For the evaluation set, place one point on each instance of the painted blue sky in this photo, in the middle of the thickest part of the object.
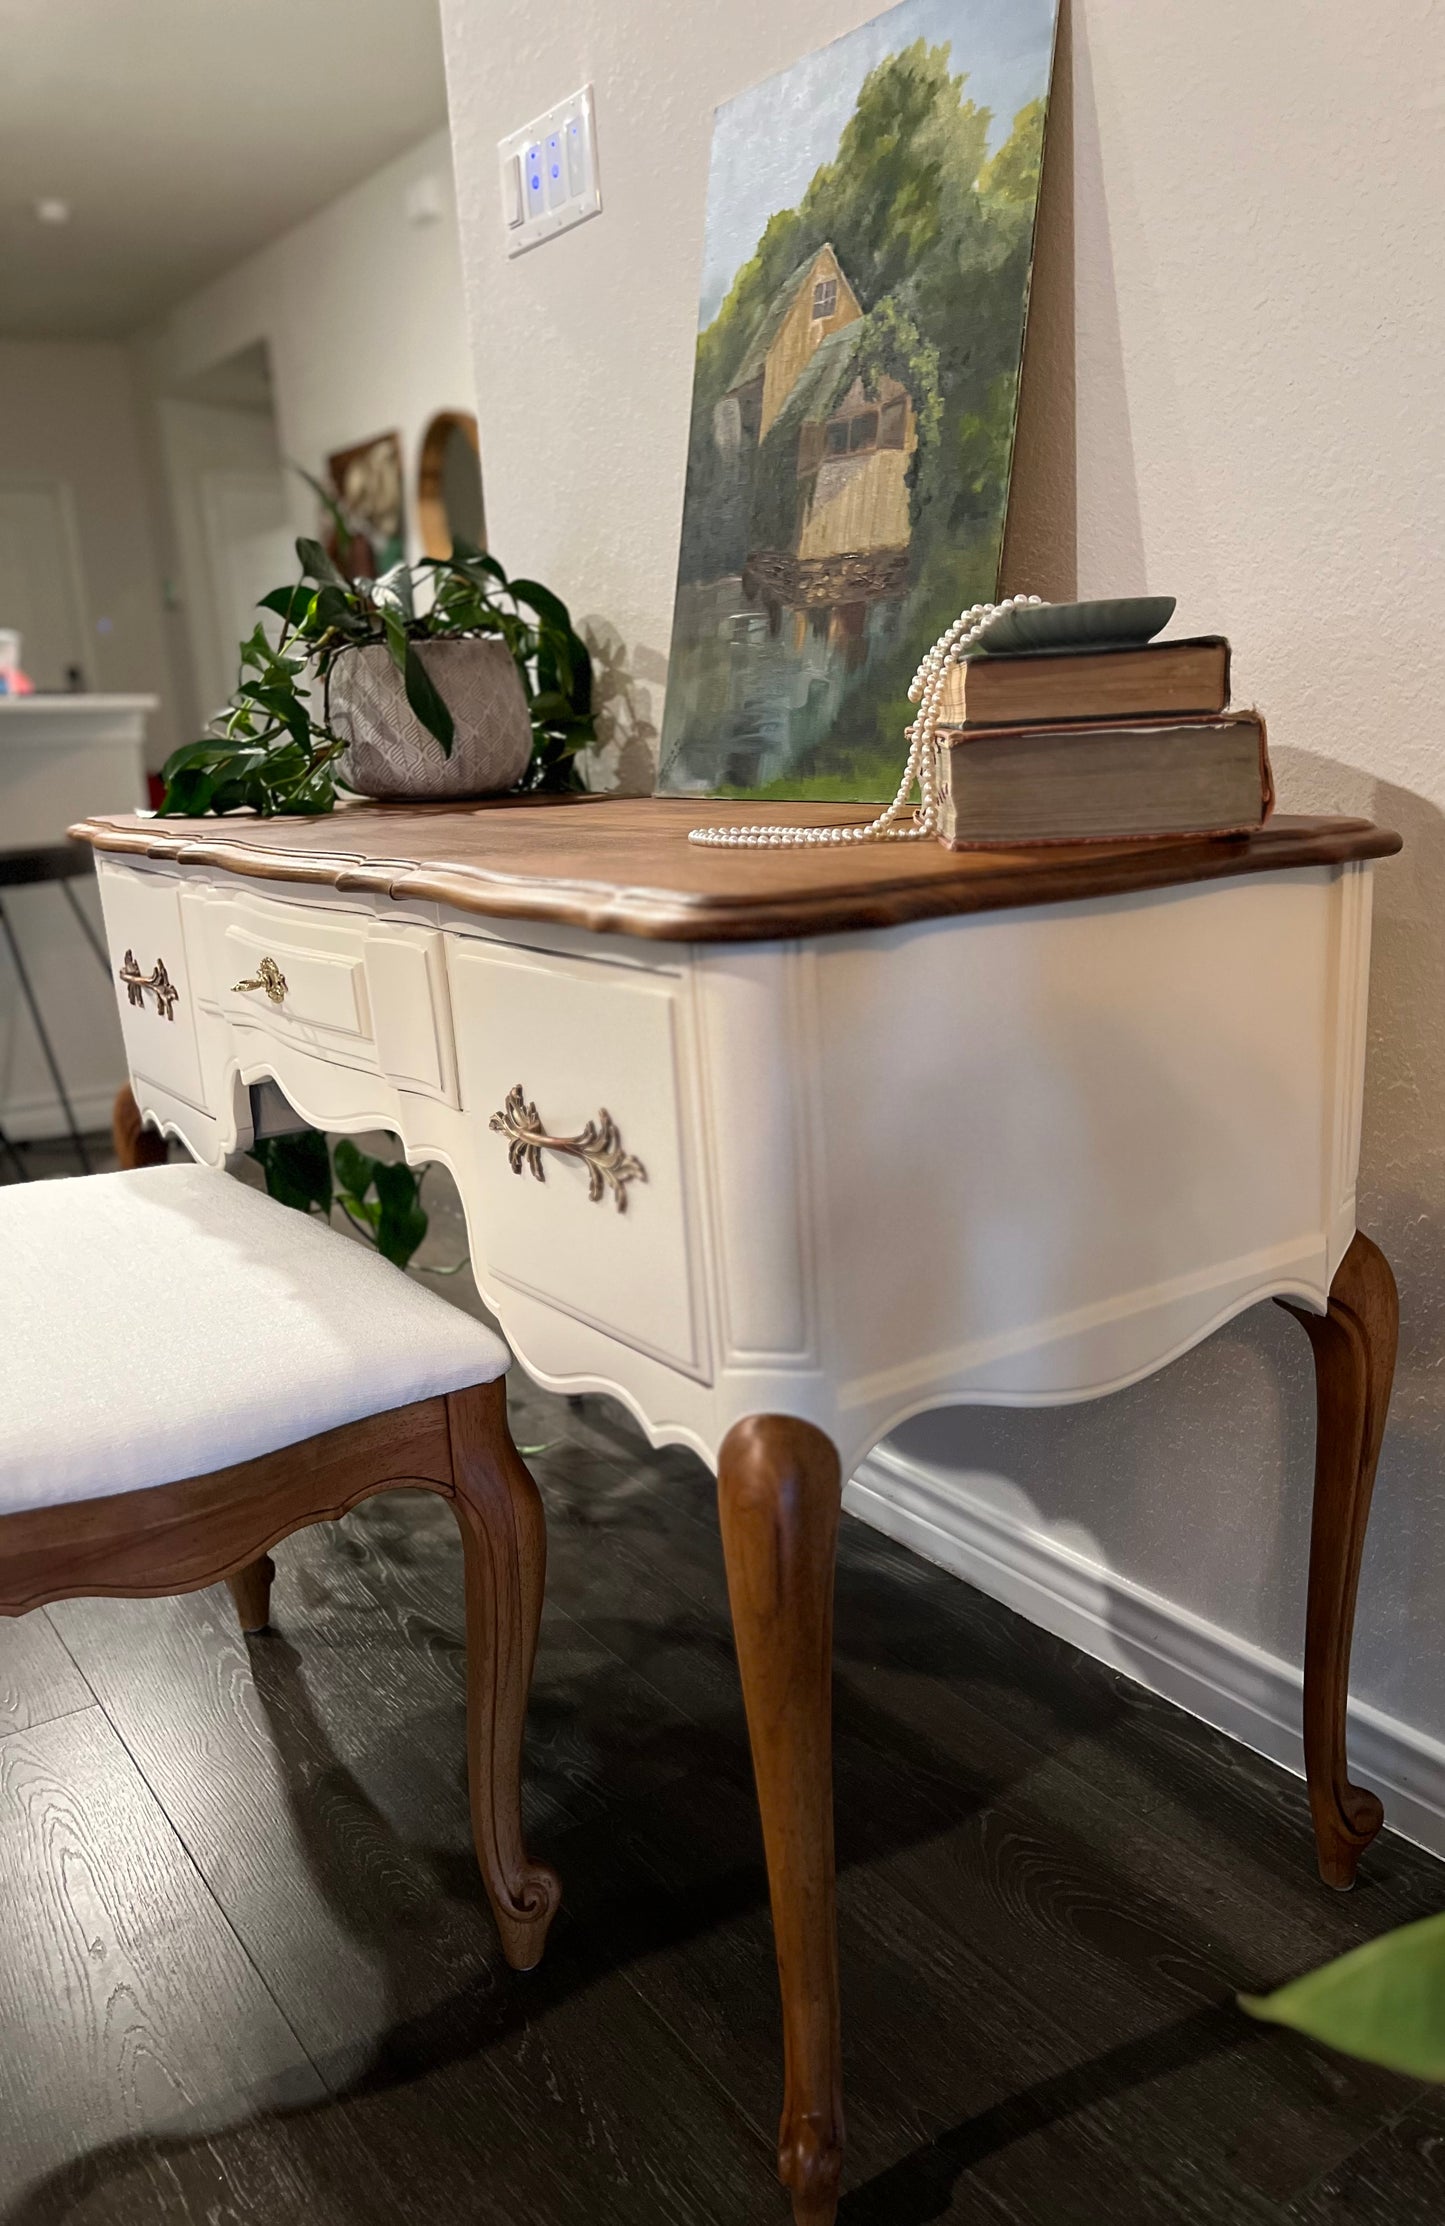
(768, 142)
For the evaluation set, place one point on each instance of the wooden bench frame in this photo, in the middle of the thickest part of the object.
(181, 1537)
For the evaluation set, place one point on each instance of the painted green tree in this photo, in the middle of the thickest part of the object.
(935, 238)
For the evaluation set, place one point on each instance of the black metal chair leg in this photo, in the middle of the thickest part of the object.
(102, 954)
(22, 1172)
(32, 1004)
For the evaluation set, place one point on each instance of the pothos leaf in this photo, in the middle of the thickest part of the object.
(355, 1169)
(395, 1215)
(289, 603)
(393, 590)
(402, 1222)
(315, 563)
(297, 1169)
(396, 640)
(421, 694)
(546, 605)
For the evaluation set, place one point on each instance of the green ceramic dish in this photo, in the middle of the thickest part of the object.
(1122, 622)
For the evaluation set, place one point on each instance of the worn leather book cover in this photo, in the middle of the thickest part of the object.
(1104, 781)
(1162, 680)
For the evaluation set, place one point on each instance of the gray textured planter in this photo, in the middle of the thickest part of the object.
(390, 752)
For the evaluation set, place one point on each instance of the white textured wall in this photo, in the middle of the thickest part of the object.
(362, 313)
(1235, 394)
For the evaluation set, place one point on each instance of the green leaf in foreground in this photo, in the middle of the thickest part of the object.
(1384, 2002)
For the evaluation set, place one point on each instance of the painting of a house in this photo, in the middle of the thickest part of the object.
(854, 397)
(840, 536)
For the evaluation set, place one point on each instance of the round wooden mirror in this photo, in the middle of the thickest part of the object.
(449, 484)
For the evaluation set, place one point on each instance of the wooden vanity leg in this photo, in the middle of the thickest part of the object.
(1354, 1348)
(504, 1539)
(135, 1144)
(251, 1591)
(779, 1495)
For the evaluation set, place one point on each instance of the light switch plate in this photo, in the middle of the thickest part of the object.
(549, 174)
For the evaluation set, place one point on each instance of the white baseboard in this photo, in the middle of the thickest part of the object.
(1253, 1696)
(28, 1119)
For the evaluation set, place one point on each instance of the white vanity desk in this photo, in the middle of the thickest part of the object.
(870, 1131)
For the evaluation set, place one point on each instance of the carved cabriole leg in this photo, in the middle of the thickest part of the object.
(1354, 1348)
(251, 1591)
(504, 1538)
(135, 1144)
(779, 1495)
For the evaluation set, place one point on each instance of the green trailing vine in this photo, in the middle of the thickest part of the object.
(380, 1197)
(273, 749)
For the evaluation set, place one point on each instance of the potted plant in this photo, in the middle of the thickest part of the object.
(482, 685)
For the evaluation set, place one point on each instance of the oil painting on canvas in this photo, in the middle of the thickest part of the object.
(866, 271)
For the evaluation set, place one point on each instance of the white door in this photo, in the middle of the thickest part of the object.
(249, 550)
(40, 593)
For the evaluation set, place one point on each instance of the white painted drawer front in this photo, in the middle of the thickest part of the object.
(579, 1038)
(355, 993)
(143, 926)
(323, 1000)
(406, 977)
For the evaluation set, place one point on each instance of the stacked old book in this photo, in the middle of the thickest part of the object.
(1099, 745)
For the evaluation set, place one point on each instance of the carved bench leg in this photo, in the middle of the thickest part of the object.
(779, 1494)
(1354, 1348)
(251, 1591)
(504, 1540)
(135, 1144)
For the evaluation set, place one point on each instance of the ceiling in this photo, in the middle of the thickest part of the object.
(186, 133)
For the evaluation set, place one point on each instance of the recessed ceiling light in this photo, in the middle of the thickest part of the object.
(52, 212)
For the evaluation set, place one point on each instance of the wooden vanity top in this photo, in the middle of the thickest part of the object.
(624, 866)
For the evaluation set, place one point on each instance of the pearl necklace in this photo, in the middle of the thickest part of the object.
(926, 690)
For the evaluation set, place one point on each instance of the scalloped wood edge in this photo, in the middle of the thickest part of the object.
(624, 866)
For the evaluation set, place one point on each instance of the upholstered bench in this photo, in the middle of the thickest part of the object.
(189, 1372)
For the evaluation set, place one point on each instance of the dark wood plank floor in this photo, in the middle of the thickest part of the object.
(247, 1973)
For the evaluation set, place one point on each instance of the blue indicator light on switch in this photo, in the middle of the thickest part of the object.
(556, 191)
(536, 198)
(549, 178)
(576, 176)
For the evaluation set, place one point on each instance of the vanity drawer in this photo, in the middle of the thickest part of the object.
(294, 973)
(153, 979)
(347, 989)
(574, 1041)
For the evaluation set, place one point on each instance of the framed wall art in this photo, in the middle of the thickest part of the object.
(367, 483)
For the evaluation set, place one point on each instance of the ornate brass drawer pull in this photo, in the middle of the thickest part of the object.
(599, 1147)
(268, 976)
(158, 982)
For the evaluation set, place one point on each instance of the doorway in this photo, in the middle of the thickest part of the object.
(227, 490)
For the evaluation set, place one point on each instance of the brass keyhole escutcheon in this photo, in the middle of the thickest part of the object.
(268, 976)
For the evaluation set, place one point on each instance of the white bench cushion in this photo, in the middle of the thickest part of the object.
(167, 1322)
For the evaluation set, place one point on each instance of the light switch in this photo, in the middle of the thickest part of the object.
(549, 173)
(536, 191)
(554, 159)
